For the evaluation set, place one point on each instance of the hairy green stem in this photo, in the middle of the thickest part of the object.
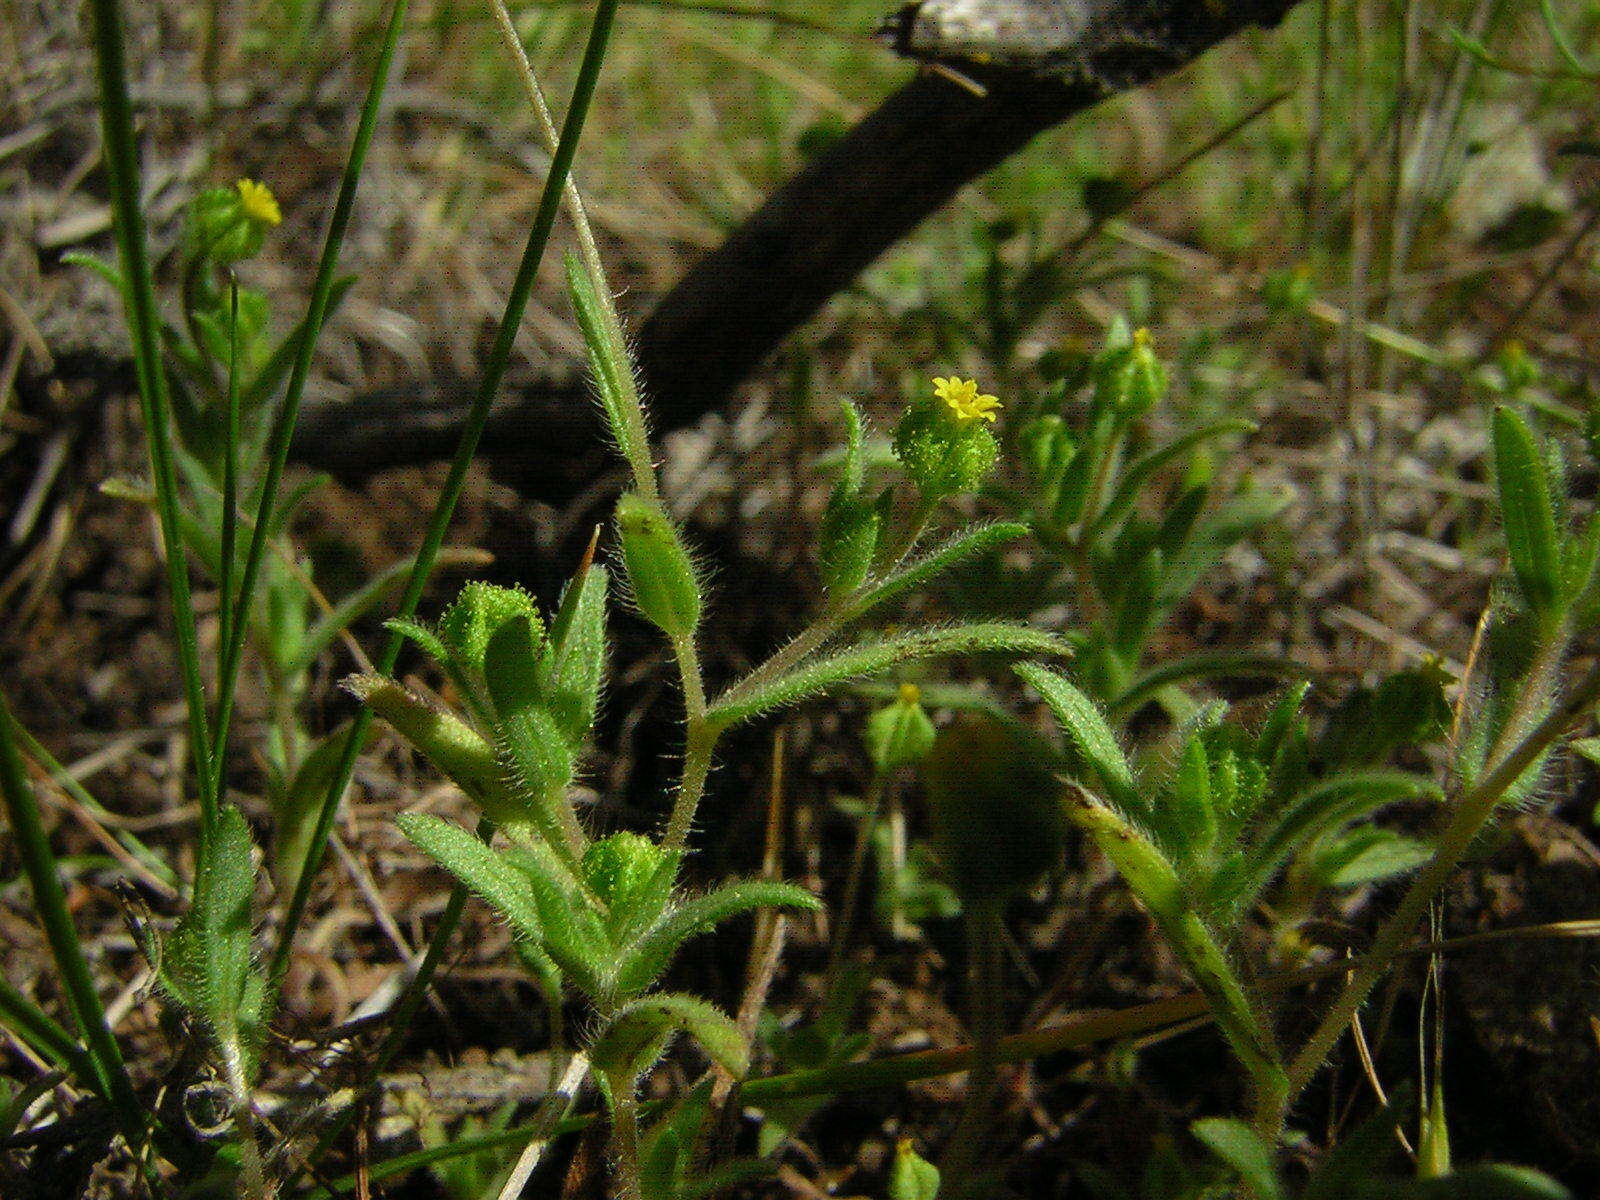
(1469, 813)
(635, 439)
(701, 744)
(253, 1176)
(1155, 883)
(625, 1181)
(985, 942)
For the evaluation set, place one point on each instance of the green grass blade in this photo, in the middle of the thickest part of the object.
(155, 401)
(39, 862)
(228, 611)
(36, 1027)
(444, 509)
(34, 749)
(288, 412)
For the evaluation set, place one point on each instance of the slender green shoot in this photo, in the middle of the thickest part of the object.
(38, 861)
(288, 412)
(40, 1031)
(144, 321)
(444, 509)
(226, 606)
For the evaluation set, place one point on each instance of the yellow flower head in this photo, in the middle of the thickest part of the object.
(962, 397)
(910, 693)
(258, 202)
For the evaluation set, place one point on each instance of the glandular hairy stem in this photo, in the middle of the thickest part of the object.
(625, 1183)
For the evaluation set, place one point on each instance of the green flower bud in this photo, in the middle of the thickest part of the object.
(479, 612)
(229, 224)
(660, 572)
(997, 813)
(622, 867)
(901, 733)
(1129, 378)
(1289, 291)
(941, 451)
(912, 1177)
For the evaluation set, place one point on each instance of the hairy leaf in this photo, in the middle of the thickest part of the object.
(635, 1037)
(1090, 734)
(871, 657)
(486, 873)
(645, 960)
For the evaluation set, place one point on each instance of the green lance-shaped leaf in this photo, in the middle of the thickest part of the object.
(1090, 734)
(614, 377)
(967, 544)
(648, 956)
(661, 575)
(535, 747)
(574, 663)
(1134, 476)
(1324, 806)
(207, 965)
(575, 934)
(997, 817)
(1246, 1151)
(1156, 885)
(1366, 854)
(847, 538)
(1527, 510)
(870, 657)
(636, 1036)
(1193, 818)
(446, 741)
(486, 873)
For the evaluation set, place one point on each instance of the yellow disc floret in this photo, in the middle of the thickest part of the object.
(258, 202)
(963, 398)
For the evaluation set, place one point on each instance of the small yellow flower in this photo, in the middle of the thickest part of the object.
(910, 693)
(962, 397)
(258, 202)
